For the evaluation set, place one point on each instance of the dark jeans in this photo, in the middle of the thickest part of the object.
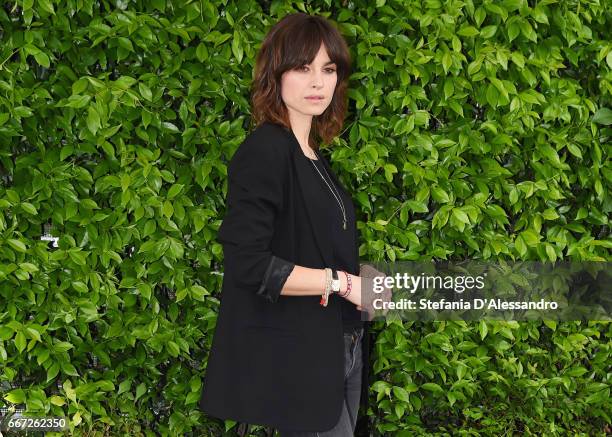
(352, 390)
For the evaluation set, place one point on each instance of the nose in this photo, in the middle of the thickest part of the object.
(317, 80)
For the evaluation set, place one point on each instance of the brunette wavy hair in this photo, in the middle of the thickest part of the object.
(291, 43)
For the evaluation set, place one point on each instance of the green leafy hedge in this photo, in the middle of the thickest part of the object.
(476, 130)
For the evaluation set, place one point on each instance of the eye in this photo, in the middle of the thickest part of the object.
(331, 70)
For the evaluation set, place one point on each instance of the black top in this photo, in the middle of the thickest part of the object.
(343, 240)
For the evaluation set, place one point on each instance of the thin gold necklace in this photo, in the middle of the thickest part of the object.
(336, 194)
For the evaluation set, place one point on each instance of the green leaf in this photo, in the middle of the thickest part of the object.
(488, 31)
(440, 217)
(514, 195)
(140, 390)
(145, 291)
(550, 214)
(66, 152)
(520, 246)
(574, 150)
(527, 30)
(181, 294)
(432, 387)
(381, 387)
(202, 52)
(237, 47)
(42, 59)
(145, 91)
(175, 248)
(69, 369)
(447, 61)
(482, 329)
(125, 44)
(56, 400)
(52, 371)
(124, 386)
(17, 245)
(46, 5)
(171, 127)
(492, 95)
(20, 341)
(198, 292)
(390, 170)
(168, 209)
(93, 120)
(576, 371)
(28, 267)
(105, 385)
(192, 398)
(80, 286)
(460, 216)
(401, 394)
(551, 154)
(439, 195)
(468, 31)
(460, 369)
(62, 346)
(452, 398)
(173, 348)
(29, 208)
(417, 206)
(23, 111)
(603, 116)
(599, 397)
(539, 14)
(79, 258)
(79, 86)
(531, 238)
(16, 396)
(514, 30)
(174, 190)
(33, 333)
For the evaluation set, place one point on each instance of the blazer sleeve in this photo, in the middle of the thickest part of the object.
(256, 183)
(357, 239)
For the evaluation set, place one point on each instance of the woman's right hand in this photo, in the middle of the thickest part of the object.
(367, 274)
(355, 295)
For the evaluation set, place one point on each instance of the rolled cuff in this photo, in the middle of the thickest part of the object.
(275, 277)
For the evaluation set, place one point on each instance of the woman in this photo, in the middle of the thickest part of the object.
(290, 343)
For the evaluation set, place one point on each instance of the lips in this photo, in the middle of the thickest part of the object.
(315, 97)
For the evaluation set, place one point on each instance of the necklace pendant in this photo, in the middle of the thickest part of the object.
(344, 225)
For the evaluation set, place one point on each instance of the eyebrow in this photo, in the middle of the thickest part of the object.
(327, 63)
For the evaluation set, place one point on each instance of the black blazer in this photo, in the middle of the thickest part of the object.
(275, 360)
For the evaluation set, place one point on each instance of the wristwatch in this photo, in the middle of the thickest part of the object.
(335, 282)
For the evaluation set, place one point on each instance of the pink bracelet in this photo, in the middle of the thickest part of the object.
(348, 285)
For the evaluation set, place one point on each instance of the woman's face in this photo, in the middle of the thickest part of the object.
(316, 79)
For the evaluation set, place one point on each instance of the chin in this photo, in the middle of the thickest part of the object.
(319, 112)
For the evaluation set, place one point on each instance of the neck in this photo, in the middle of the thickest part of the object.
(300, 124)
